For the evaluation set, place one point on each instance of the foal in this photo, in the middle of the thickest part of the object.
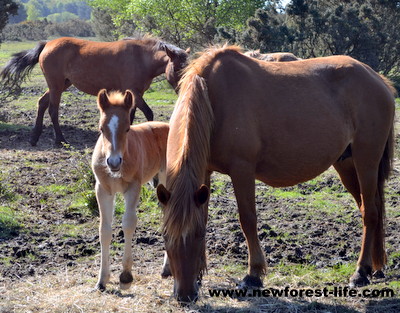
(125, 157)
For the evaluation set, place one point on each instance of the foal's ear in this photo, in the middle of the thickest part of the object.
(201, 195)
(128, 99)
(102, 99)
(163, 194)
(188, 50)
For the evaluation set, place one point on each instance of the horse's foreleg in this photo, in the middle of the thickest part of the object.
(106, 208)
(142, 105)
(166, 270)
(43, 104)
(244, 186)
(129, 222)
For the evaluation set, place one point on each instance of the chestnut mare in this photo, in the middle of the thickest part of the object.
(91, 66)
(125, 157)
(272, 57)
(282, 123)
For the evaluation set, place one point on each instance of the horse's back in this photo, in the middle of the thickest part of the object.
(91, 65)
(292, 120)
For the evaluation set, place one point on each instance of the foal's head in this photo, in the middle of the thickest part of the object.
(178, 60)
(114, 125)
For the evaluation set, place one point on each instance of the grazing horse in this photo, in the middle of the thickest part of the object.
(91, 66)
(272, 57)
(282, 123)
(125, 157)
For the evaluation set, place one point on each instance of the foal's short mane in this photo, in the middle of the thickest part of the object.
(194, 115)
(116, 98)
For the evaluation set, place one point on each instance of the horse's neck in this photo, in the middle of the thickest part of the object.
(159, 64)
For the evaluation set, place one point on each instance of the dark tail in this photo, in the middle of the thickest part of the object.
(20, 66)
(385, 168)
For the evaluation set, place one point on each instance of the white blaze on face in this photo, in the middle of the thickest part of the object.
(113, 126)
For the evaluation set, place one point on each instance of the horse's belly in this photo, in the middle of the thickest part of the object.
(294, 169)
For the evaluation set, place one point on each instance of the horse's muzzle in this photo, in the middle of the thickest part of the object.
(114, 163)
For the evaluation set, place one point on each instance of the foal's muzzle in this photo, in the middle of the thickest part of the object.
(114, 163)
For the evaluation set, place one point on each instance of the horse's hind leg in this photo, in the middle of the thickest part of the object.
(348, 176)
(55, 98)
(129, 222)
(372, 255)
(244, 187)
(43, 104)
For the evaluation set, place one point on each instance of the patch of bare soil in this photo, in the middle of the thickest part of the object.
(289, 233)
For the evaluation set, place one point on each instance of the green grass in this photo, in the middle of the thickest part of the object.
(12, 127)
(9, 222)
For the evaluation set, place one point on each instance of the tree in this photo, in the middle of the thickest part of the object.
(364, 29)
(7, 8)
(103, 25)
(182, 21)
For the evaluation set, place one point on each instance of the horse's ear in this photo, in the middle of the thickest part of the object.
(201, 195)
(128, 99)
(163, 194)
(188, 50)
(170, 54)
(102, 99)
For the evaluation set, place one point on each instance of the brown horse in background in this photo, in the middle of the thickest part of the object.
(272, 57)
(125, 157)
(282, 123)
(90, 66)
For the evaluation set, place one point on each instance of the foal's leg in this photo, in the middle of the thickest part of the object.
(43, 104)
(244, 186)
(129, 222)
(106, 207)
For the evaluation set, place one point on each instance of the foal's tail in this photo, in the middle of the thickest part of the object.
(20, 66)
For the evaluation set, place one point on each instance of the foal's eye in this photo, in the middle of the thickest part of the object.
(128, 129)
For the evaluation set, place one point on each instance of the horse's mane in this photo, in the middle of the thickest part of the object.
(157, 43)
(116, 98)
(194, 115)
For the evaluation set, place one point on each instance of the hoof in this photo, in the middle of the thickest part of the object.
(155, 181)
(60, 143)
(378, 274)
(125, 280)
(33, 141)
(100, 287)
(166, 272)
(358, 279)
(250, 282)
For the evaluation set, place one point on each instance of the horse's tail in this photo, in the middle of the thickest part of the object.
(385, 169)
(20, 66)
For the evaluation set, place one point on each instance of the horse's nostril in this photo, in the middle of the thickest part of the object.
(114, 163)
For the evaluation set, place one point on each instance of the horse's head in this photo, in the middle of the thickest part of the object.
(178, 60)
(185, 217)
(114, 125)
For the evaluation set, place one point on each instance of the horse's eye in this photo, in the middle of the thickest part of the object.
(128, 129)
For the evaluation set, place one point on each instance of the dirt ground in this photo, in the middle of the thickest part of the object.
(55, 239)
